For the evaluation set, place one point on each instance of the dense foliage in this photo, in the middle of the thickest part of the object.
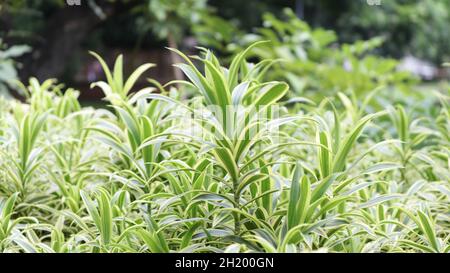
(416, 27)
(312, 61)
(242, 165)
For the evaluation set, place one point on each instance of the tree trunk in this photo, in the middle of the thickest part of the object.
(178, 75)
(66, 30)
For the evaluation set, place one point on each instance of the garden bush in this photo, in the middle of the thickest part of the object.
(229, 160)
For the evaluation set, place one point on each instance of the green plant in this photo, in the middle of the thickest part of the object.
(8, 67)
(241, 165)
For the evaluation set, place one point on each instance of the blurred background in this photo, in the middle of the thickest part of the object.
(51, 38)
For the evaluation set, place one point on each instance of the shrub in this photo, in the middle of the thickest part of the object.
(236, 167)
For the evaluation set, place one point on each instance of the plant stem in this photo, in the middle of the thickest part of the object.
(237, 224)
